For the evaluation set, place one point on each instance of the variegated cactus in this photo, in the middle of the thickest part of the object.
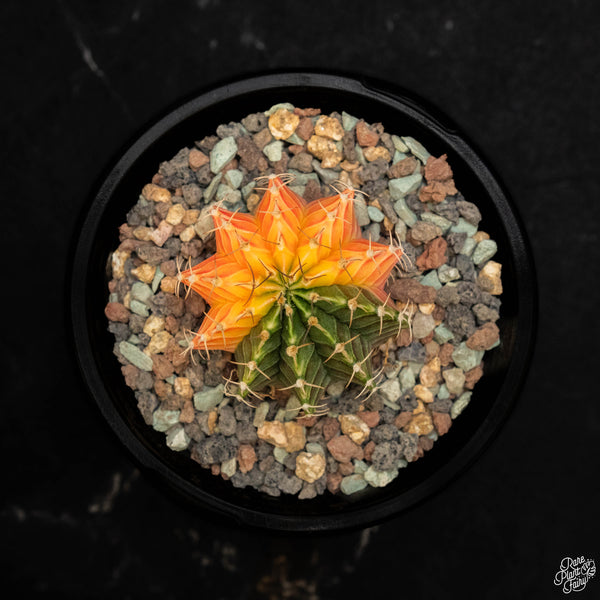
(297, 294)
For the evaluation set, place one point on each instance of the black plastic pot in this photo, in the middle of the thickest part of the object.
(505, 366)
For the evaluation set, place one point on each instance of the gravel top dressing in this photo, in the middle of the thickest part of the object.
(447, 281)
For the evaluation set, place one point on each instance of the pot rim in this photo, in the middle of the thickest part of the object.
(430, 118)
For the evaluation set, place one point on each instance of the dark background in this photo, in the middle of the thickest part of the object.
(80, 80)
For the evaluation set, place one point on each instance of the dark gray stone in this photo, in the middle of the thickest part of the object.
(460, 320)
(384, 433)
(386, 455)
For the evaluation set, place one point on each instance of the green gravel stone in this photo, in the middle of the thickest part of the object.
(248, 189)
(280, 415)
(398, 156)
(416, 148)
(402, 186)
(407, 215)
(208, 397)
(141, 292)
(260, 414)
(326, 175)
(468, 247)
(352, 484)
(228, 195)
(177, 439)
(443, 392)
(441, 334)
(431, 279)
(229, 467)
(274, 150)
(211, 189)
(298, 189)
(401, 464)
(400, 230)
(158, 275)
(361, 157)
(460, 404)
(133, 339)
(447, 273)
(170, 379)
(438, 220)
(360, 466)
(464, 227)
(348, 121)
(280, 454)
(276, 107)
(407, 379)
(295, 139)
(139, 308)
(379, 478)
(135, 356)
(292, 408)
(399, 144)
(233, 177)
(223, 152)
(113, 297)
(375, 214)
(303, 178)
(466, 358)
(484, 251)
(315, 448)
(163, 419)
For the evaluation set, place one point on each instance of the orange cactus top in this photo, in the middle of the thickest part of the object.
(287, 244)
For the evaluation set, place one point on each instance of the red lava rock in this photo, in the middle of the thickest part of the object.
(176, 355)
(402, 419)
(370, 417)
(312, 191)
(403, 168)
(249, 153)
(115, 311)
(161, 366)
(445, 354)
(171, 324)
(125, 232)
(188, 413)
(305, 128)
(484, 337)
(473, 376)
(434, 255)
(409, 289)
(307, 112)
(365, 135)
(215, 469)
(333, 482)
(437, 191)
(197, 159)
(331, 428)
(439, 313)
(169, 268)
(345, 469)
(195, 304)
(246, 457)
(441, 421)
(405, 338)
(438, 169)
(427, 338)
(131, 374)
(425, 443)
(232, 164)
(368, 450)
(308, 421)
(295, 149)
(343, 449)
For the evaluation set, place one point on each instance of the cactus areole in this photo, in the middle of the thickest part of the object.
(297, 294)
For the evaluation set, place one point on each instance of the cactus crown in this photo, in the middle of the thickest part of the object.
(297, 294)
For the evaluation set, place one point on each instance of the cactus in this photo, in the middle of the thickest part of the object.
(297, 294)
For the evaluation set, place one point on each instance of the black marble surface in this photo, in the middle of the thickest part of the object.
(80, 80)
